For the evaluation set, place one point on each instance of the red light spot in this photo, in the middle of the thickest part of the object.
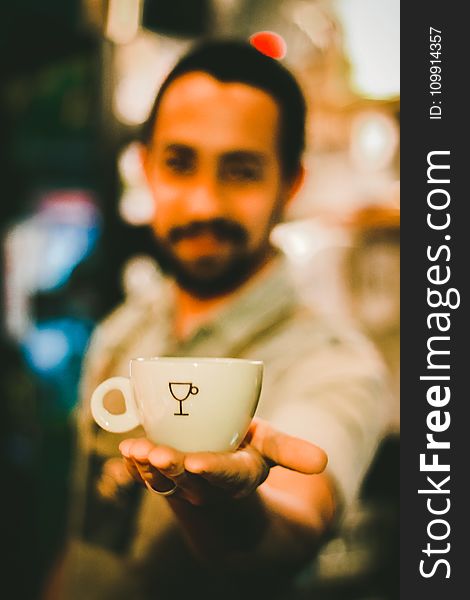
(269, 43)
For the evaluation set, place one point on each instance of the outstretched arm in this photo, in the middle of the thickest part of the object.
(267, 503)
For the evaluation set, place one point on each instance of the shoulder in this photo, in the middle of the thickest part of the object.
(116, 334)
(306, 338)
(130, 316)
(115, 325)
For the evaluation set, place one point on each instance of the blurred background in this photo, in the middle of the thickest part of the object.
(77, 79)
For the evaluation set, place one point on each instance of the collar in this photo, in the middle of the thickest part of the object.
(269, 298)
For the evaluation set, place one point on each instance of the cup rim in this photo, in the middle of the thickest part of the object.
(196, 359)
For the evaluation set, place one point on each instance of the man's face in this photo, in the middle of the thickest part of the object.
(214, 172)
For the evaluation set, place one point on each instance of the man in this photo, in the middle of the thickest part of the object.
(222, 158)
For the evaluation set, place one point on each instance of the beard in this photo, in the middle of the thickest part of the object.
(211, 275)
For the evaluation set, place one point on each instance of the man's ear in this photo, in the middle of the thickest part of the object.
(295, 184)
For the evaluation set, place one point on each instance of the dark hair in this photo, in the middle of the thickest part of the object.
(237, 61)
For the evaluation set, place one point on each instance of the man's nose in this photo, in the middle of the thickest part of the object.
(204, 198)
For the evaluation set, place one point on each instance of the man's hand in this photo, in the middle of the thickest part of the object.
(205, 477)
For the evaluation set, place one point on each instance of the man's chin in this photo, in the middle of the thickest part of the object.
(210, 278)
(208, 287)
(210, 275)
(206, 268)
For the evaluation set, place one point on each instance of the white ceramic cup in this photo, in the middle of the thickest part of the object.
(191, 404)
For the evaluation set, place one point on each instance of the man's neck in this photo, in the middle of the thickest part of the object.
(191, 312)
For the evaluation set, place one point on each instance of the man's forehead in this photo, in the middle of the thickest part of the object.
(196, 104)
(197, 86)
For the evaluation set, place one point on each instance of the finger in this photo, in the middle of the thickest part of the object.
(287, 451)
(171, 463)
(153, 478)
(143, 473)
(133, 470)
(138, 449)
(137, 452)
(125, 445)
(167, 460)
(242, 470)
(125, 449)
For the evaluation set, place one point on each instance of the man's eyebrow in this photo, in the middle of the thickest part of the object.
(240, 156)
(245, 156)
(180, 148)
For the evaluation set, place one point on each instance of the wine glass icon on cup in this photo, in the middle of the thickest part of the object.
(181, 392)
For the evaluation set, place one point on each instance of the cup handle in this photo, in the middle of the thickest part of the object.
(111, 422)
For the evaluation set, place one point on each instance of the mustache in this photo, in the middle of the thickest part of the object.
(222, 229)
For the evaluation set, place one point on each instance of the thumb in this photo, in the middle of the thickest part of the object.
(285, 450)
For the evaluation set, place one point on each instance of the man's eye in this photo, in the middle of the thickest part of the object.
(241, 173)
(179, 164)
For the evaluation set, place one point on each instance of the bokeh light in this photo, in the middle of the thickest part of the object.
(269, 43)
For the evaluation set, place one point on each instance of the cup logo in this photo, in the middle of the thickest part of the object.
(181, 392)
